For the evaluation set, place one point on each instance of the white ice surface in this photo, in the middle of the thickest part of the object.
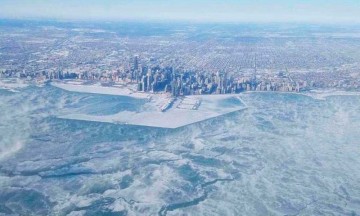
(172, 118)
(285, 155)
(12, 84)
(98, 89)
(323, 94)
(176, 116)
(315, 94)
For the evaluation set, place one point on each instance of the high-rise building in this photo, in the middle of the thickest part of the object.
(136, 63)
(149, 80)
(144, 83)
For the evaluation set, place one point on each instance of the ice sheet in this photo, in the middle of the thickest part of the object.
(172, 118)
(181, 113)
(98, 89)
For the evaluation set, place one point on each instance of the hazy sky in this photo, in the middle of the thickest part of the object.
(324, 11)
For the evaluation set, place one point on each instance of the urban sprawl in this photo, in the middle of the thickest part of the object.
(180, 63)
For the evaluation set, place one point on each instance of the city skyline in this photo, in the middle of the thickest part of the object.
(308, 11)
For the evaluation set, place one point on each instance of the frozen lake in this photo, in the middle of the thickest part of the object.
(285, 154)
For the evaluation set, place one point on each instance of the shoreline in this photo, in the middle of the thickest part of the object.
(123, 90)
(119, 89)
(186, 110)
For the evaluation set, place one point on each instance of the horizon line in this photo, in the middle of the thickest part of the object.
(187, 21)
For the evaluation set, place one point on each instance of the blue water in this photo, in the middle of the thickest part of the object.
(285, 155)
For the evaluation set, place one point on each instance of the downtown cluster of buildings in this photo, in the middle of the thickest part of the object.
(181, 82)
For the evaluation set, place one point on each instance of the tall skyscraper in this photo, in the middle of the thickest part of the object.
(136, 63)
(149, 79)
